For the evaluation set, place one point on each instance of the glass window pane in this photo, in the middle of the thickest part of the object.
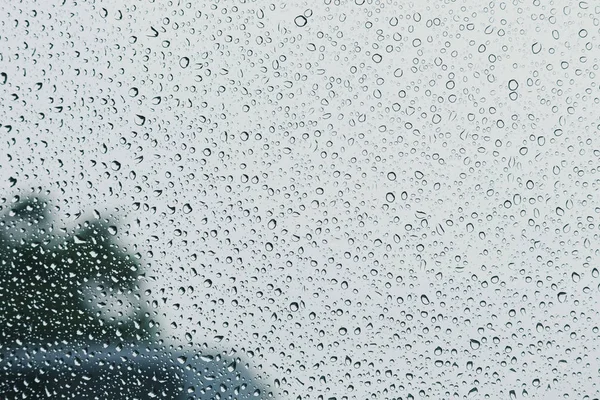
(362, 199)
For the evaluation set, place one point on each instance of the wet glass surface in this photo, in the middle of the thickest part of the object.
(363, 199)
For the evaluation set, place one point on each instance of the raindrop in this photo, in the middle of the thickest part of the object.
(140, 120)
(562, 297)
(529, 184)
(184, 62)
(300, 21)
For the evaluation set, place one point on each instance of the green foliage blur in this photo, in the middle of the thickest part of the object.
(72, 287)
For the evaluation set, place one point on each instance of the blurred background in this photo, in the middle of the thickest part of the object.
(74, 325)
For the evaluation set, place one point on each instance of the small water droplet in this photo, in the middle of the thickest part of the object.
(562, 297)
(140, 120)
(300, 21)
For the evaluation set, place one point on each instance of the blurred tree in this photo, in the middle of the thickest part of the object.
(74, 286)
(72, 323)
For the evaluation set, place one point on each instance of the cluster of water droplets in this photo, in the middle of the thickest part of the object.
(363, 199)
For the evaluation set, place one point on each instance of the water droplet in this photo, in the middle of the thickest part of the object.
(140, 120)
(562, 297)
(184, 62)
(300, 21)
(529, 185)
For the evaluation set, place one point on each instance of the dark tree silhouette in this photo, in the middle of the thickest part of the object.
(61, 335)
(46, 279)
